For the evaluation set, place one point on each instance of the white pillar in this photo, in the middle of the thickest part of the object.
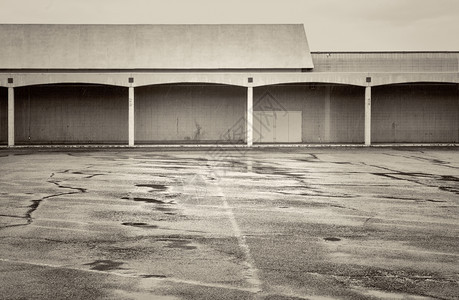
(368, 116)
(10, 117)
(249, 116)
(131, 116)
(327, 115)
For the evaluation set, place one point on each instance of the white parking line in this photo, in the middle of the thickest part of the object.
(251, 271)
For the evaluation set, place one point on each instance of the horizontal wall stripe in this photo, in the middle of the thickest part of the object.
(235, 79)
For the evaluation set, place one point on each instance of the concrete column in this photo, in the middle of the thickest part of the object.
(327, 115)
(249, 116)
(10, 117)
(368, 116)
(131, 119)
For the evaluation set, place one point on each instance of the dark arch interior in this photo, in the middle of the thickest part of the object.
(3, 115)
(190, 113)
(71, 114)
(314, 113)
(415, 113)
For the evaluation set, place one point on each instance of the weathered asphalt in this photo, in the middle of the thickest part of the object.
(220, 224)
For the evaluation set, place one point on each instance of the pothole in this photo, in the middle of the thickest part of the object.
(147, 200)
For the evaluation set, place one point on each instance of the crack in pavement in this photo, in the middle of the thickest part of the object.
(36, 203)
(424, 159)
(408, 176)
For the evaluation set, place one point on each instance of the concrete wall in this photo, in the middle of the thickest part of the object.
(396, 62)
(200, 113)
(347, 114)
(71, 114)
(417, 113)
(190, 113)
(3, 115)
(346, 110)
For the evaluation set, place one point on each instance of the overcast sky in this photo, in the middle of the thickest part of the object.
(331, 25)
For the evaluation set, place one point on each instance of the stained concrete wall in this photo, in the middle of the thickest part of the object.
(346, 113)
(71, 114)
(347, 120)
(416, 113)
(3, 115)
(190, 113)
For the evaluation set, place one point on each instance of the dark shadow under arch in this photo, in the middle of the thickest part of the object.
(3, 115)
(191, 83)
(190, 113)
(76, 113)
(330, 113)
(420, 112)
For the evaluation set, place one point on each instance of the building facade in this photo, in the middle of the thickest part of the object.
(242, 85)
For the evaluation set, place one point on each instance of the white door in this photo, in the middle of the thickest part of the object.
(281, 127)
(277, 126)
(294, 126)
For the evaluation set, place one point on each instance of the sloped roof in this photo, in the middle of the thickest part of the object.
(153, 47)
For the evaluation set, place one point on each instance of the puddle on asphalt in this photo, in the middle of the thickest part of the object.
(153, 276)
(94, 175)
(332, 239)
(159, 187)
(320, 194)
(440, 162)
(35, 204)
(147, 200)
(342, 162)
(105, 265)
(449, 189)
(411, 199)
(140, 225)
(449, 178)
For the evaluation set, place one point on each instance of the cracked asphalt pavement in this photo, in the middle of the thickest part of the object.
(291, 223)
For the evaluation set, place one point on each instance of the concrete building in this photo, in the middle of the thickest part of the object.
(216, 84)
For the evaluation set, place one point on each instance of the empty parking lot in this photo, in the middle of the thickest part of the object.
(303, 223)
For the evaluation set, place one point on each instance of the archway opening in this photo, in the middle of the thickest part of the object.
(71, 114)
(310, 113)
(415, 113)
(190, 113)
